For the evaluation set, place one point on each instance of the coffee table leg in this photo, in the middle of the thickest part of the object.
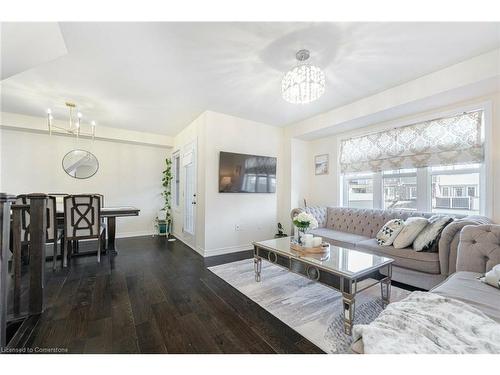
(257, 264)
(385, 286)
(348, 303)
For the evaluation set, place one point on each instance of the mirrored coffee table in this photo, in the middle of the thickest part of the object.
(345, 270)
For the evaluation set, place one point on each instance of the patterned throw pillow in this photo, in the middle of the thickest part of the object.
(389, 232)
(413, 226)
(428, 238)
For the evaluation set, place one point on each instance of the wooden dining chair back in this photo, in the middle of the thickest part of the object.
(82, 220)
(52, 233)
(101, 196)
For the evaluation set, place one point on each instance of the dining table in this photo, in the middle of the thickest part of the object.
(110, 214)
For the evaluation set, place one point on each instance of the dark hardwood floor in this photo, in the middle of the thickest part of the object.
(155, 297)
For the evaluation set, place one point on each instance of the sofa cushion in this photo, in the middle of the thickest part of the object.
(338, 238)
(429, 237)
(388, 233)
(465, 287)
(406, 258)
(412, 227)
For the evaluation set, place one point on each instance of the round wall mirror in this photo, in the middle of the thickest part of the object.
(80, 164)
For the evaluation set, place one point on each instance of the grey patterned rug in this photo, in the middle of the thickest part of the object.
(311, 309)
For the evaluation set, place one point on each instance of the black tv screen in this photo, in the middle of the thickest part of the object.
(241, 173)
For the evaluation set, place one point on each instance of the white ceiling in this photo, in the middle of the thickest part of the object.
(19, 53)
(158, 77)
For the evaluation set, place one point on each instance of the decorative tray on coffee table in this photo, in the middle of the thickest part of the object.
(323, 248)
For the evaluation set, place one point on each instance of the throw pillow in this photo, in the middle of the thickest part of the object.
(492, 277)
(389, 232)
(411, 229)
(429, 236)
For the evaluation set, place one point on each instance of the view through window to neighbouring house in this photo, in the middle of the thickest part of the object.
(400, 189)
(360, 192)
(452, 189)
(456, 189)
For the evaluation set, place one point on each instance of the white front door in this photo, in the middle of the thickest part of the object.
(189, 162)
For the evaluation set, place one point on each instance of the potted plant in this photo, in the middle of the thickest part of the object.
(164, 218)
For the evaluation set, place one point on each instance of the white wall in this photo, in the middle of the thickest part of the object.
(256, 214)
(129, 174)
(299, 173)
(323, 189)
(218, 214)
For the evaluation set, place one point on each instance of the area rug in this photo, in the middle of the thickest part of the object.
(311, 309)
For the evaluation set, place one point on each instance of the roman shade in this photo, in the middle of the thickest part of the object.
(443, 141)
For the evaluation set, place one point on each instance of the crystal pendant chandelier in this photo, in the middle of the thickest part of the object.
(304, 83)
(74, 124)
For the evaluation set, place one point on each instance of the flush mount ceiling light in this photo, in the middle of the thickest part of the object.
(74, 125)
(304, 83)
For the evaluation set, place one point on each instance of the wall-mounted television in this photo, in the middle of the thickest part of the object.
(242, 173)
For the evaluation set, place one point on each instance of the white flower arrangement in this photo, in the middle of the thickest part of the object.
(305, 221)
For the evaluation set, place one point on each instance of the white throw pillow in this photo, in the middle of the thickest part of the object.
(389, 232)
(493, 277)
(429, 236)
(411, 229)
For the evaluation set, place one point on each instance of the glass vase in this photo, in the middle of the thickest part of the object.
(301, 232)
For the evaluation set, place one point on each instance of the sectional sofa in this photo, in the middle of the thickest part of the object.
(357, 228)
(478, 251)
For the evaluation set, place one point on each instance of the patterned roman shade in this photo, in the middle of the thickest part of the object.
(444, 141)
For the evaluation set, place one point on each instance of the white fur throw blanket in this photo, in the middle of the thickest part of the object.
(429, 323)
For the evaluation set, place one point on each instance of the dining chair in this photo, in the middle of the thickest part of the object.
(82, 220)
(103, 220)
(53, 233)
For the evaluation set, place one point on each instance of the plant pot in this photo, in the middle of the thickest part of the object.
(162, 228)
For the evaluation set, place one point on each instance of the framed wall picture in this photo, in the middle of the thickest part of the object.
(321, 164)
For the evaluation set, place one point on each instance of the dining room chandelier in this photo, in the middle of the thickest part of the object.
(304, 83)
(74, 124)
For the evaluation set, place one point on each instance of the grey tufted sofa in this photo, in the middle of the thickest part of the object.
(357, 228)
(478, 252)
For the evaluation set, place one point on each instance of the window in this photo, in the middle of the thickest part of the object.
(400, 189)
(462, 185)
(458, 191)
(359, 191)
(436, 165)
(413, 192)
(176, 178)
(451, 189)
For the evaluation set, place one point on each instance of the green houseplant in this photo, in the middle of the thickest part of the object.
(165, 218)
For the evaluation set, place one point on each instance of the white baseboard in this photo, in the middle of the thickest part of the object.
(183, 240)
(227, 250)
(212, 252)
(136, 234)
